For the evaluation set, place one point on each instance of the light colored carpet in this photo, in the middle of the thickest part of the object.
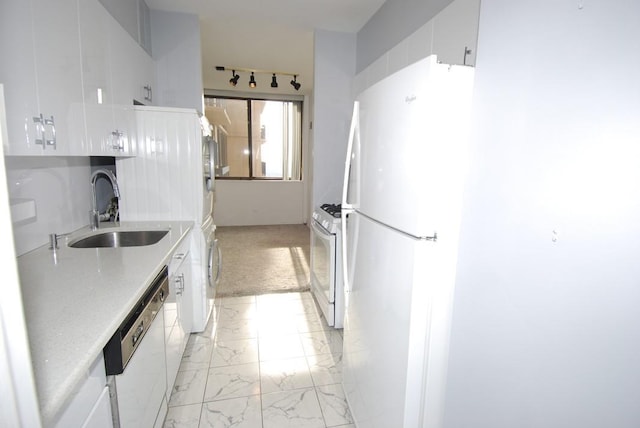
(263, 259)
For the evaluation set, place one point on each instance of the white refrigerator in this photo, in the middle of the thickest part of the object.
(404, 177)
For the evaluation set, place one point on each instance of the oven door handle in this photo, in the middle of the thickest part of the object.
(321, 230)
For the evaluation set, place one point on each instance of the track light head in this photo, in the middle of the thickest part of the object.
(235, 77)
(295, 84)
(234, 80)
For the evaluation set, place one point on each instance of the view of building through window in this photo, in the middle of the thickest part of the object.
(256, 138)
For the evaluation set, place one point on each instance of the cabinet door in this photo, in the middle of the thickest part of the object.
(132, 71)
(90, 405)
(455, 28)
(145, 76)
(109, 124)
(18, 74)
(185, 300)
(124, 135)
(100, 414)
(173, 335)
(41, 71)
(178, 314)
(122, 70)
(59, 74)
(96, 75)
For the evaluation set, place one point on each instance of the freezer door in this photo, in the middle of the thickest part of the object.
(397, 325)
(413, 131)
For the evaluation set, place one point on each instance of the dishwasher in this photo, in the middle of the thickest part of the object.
(135, 361)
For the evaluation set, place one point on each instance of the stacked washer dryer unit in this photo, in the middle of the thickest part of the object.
(171, 178)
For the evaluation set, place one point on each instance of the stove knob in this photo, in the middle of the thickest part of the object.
(325, 224)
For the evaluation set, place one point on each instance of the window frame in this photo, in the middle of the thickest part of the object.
(249, 97)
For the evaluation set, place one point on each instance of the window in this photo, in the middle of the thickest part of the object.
(256, 138)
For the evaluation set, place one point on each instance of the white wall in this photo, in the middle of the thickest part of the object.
(546, 332)
(246, 203)
(334, 69)
(176, 50)
(61, 190)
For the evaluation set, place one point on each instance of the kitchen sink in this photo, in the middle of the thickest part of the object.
(120, 238)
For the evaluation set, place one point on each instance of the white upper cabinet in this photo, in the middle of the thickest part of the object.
(96, 74)
(133, 70)
(41, 72)
(108, 124)
(135, 18)
(454, 29)
(18, 74)
(71, 74)
(59, 74)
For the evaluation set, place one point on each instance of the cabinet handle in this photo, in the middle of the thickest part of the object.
(467, 51)
(51, 141)
(148, 93)
(180, 284)
(117, 137)
(39, 121)
(179, 256)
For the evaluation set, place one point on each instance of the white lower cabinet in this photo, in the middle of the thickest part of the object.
(100, 414)
(178, 311)
(90, 406)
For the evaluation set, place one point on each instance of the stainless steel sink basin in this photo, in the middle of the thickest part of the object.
(120, 238)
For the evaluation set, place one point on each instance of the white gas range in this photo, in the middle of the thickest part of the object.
(326, 263)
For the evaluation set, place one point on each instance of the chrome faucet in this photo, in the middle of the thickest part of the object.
(94, 215)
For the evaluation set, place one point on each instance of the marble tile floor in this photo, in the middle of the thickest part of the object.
(270, 361)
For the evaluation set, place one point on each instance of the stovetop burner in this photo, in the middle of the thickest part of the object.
(332, 209)
(328, 216)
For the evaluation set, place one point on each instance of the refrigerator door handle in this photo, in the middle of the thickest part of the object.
(346, 207)
(347, 162)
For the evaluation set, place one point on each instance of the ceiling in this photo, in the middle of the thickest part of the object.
(272, 35)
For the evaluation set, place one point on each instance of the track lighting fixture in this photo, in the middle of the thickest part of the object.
(252, 79)
(234, 80)
(295, 84)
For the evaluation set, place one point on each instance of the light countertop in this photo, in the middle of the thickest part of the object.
(76, 299)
